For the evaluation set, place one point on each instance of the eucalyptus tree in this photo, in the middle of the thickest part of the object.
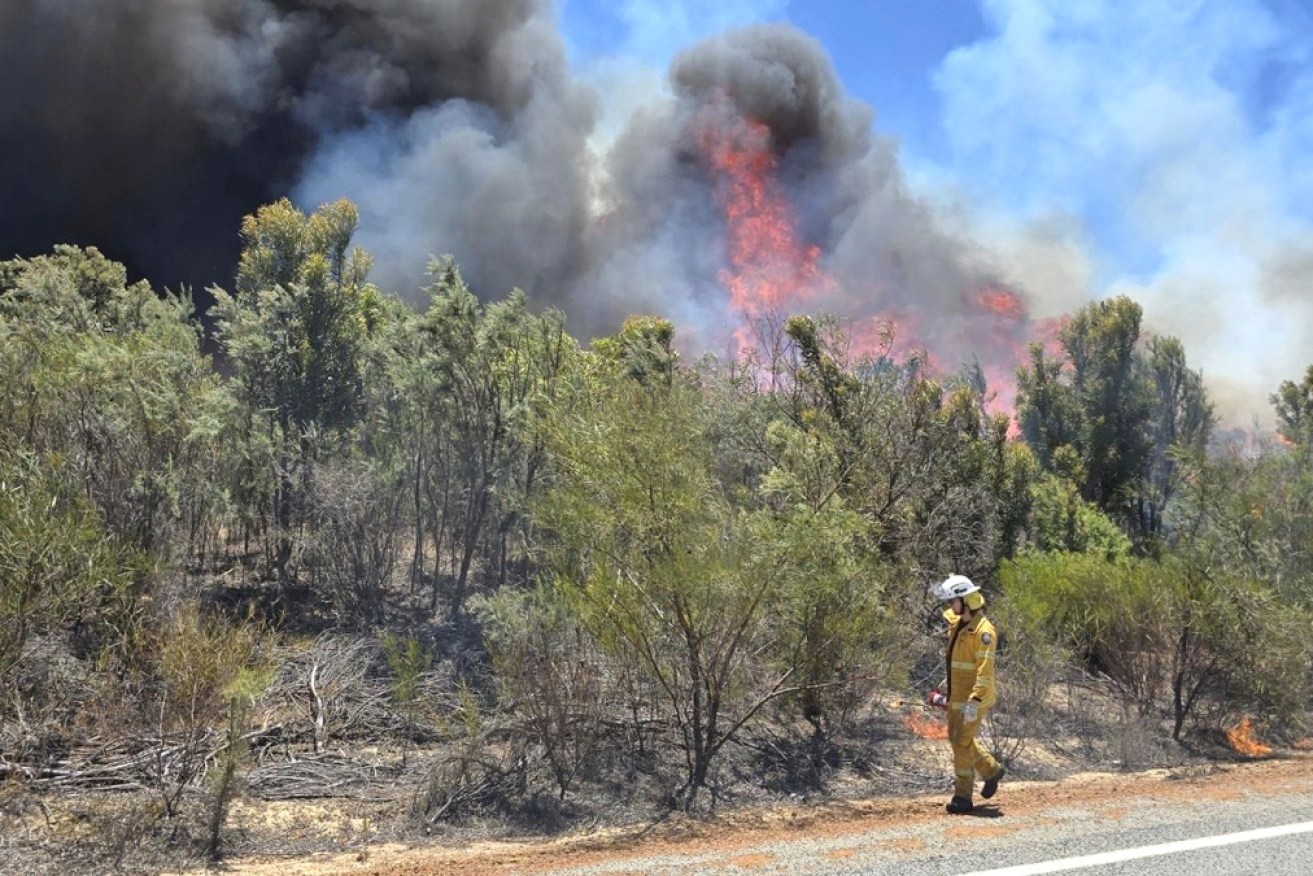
(1180, 426)
(1113, 416)
(294, 332)
(1290, 481)
(60, 568)
(1294, 409)
(1114, 395)
(1049, 415)
(469, 382)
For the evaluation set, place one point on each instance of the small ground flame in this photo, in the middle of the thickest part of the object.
(926, 728)
(1243, 741)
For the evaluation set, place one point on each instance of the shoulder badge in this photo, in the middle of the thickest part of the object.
(986, 638)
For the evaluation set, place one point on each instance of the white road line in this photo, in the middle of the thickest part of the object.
(1206, 842)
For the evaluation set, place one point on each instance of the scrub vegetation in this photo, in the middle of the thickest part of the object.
(452, 559)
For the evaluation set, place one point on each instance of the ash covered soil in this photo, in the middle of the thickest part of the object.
(878, 786)
(766, 838)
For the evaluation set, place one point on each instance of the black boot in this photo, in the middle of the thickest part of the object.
(991, 785)
(959, 805)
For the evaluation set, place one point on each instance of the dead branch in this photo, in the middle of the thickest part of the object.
(329, 775)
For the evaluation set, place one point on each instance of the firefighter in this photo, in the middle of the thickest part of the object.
(968, 688)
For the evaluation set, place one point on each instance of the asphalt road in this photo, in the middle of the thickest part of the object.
(1046, 838)
(1140, 837)
(1033, 845)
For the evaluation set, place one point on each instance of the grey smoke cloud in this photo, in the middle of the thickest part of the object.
(883, 248)
(521, 200)
(150, 128)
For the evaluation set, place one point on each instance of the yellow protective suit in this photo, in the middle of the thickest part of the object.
(971, 647)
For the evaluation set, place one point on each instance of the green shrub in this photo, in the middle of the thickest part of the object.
(1062, 521)
(59, 569)
(1104, 611)
(1172, 636)
(552, 676)
(206, 673)
(1030, 660)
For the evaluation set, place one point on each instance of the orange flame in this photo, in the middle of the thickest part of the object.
(926, 728)
(1003, 331)
(1004, 303)
(1243, 741)
(770, 269)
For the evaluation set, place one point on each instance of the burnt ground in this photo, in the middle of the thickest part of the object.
(372, 809)
(735, 841)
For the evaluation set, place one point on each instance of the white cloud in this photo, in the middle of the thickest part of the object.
(1164, 126)
(657, 29)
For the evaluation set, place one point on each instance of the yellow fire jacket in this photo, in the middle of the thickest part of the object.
(970, 661)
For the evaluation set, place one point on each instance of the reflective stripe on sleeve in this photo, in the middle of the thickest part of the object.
(963, 664)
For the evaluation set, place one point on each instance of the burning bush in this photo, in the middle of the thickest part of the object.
(1243, 739)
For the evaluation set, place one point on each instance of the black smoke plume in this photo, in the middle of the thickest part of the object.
(149, 128)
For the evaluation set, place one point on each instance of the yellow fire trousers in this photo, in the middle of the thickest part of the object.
(969, 757)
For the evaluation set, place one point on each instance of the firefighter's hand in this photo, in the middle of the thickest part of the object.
(970, 711)
(937, 698)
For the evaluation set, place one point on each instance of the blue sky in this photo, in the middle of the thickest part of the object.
(886, 53)
(1158, 149)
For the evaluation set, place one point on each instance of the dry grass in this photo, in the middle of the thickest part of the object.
(379, 780)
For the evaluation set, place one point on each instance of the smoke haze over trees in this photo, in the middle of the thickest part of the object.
(458, 127)
(450, 548)
(546, 460)
(461, 128)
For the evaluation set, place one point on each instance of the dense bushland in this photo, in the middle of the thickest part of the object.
(456, 528)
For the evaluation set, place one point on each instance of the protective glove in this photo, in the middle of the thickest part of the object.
(970, 711)
(937, 698)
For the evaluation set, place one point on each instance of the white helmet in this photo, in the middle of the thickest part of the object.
(955, 586)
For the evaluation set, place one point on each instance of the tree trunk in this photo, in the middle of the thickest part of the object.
(417, 558)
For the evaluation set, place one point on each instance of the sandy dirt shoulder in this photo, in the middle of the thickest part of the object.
(741, 831)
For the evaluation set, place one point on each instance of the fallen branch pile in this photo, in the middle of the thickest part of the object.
(327, 775)
(340, 689)
(125, 764)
